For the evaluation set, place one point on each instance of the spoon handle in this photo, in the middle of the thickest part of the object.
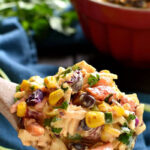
(7, 91)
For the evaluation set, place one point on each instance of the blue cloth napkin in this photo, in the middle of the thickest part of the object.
(18, 58)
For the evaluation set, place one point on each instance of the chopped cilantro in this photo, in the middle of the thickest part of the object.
(47, 122)
(74, 137)
(108, 97)
(126, 138)
(54, 119)
(18, 88)
(93, 79)
(16, 99)
(64, 105)
(65, 89)
(68, 70)
(125, 124)
(32, 87)
(131, 117)
(108, 117)
(56, 130)
(75, 67)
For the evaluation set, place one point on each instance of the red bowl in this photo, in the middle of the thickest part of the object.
(123, 32)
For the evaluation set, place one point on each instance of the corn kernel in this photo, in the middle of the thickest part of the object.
(118, 110)
(94, 119)
(55, 96)
(105, 137)
(110, 130)
(19, 94)
(50, 82)
(105, 71)
(21, 109)
(25, 85)
(104, 107)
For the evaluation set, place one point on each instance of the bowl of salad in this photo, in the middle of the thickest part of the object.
(118, 27)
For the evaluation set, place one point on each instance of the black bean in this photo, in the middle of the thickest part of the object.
(77, 146)
(87, 101)
(83, 125)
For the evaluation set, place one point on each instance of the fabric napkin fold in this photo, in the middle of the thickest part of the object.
(18, 59)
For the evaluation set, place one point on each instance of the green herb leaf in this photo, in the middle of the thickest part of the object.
(63, 106)
(108, 117)
(131, 117)
(68, 70)
(54, 119)
(126, 138)
(93, 79)
(56, 130)
(108, 97)
(75, 67)
(47, 122)
(18, 88)
(65, 89)
(32, 87)
(16, 99)
(74, 137)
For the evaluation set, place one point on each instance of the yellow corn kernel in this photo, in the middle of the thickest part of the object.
(127, 106)
(104, 107)
(50, 82)
(111, 130)
(25, 85)
(19, 94)
(34, 86)
(105, 137)
(21, 109)
(105, 71)
(55, 96)
(94, 119)
(118, 110)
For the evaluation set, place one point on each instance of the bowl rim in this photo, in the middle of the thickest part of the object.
(109, 4)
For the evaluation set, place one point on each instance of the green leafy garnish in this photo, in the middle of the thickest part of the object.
(74, 137)
(16, 99)
(32, 87)
(108, 117)
(40, 15)
(126, 138)
(75, 67)
(131, 117)
(65, 89)
(18, 88)
(93, 79)
(47, 122)
(64, 73)
(64, 105)
(54, 119)
(108, 97)
(56, 130)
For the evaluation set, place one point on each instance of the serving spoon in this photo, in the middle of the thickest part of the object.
(7, 91)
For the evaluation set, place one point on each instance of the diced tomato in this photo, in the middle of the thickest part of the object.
(101, 92)
(104, 147)
(132, 104)
(33, 127)
(105, 81)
